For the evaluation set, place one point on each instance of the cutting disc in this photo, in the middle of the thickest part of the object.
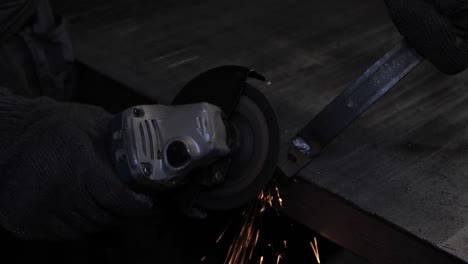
(255, 132)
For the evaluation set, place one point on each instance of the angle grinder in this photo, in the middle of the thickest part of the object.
(219, 137)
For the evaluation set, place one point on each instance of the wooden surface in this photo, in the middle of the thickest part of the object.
(404, 160)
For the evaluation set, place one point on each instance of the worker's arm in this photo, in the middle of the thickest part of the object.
(14, 14)
(56, 176)
(438, 29)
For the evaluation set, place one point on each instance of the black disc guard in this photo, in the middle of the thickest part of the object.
(254, 124)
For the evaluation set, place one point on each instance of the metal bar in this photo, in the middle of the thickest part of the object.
(349, 105)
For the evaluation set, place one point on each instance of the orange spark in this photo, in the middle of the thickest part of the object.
(278, 258)
(256, 237)
(285, 245)
(280, 200)
(243, 245)
(315, 249)
(222, 234)
(269, 199)
(254, 244)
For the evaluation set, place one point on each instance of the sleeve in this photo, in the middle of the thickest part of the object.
(438, 29)
(14, 14)
(56, 177)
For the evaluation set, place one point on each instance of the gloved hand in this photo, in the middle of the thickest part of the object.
(438, 29)
(56, 177)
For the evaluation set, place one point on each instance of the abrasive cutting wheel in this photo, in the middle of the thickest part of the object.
(253, 158)
(253, 129)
